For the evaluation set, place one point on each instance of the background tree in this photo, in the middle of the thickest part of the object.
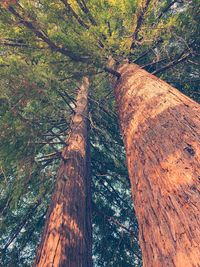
(67, 236)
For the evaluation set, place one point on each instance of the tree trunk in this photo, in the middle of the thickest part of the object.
(67, 236)
(161, 133)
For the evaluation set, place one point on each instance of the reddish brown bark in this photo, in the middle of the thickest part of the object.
(67, 236)
(161, 133)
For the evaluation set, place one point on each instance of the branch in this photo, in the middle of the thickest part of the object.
(4, 65)
(173, 63)
(141, 18)
(49, 155)
(164, 11)
(101, 181)
(113, 72)
(22, 224)
(85, 9)
(64, 99)
(40, 34)
(70, 98)
(13, 44)
(58, 136)
(139, 23)
(21, 45)
(49, 160)
(113, 220)
(109, 28)
(153, 63)
(102, 108)
(80, 21)
(148, 50)
(52, 143)
(51, 44)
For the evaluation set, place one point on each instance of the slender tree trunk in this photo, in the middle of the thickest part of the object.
(67, 236)
(161, 133)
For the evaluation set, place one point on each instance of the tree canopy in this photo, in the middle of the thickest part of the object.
(46, 47)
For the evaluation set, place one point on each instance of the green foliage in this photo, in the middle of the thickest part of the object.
(38, 85)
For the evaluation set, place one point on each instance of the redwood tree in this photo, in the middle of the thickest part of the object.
(161, 133)
(86, 34)
(66, 239)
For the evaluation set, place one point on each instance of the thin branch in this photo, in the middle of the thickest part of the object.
(165, 11)
(13, 44)
(57, 151)
(139, 23)
(71, 10)
(62, 96)
(70, 98)
(49, 160)
(101, 107)
(50, 155)
(58, 136)
(111, 219)
(113, 72)
(22, 45)
(172, 63)
(116, 222)
(22, 224)
(52, 143)
(109, 28)
(85, 9)
(148, 51)
(4, 65)
(153, 63)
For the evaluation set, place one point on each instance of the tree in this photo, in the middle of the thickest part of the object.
(82, 36)
(67, 235)
(161, 133)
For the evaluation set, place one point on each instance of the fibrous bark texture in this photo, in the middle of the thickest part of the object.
(67, 236)
(161, 133)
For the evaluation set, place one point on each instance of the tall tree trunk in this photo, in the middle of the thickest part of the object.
(67, 236)
(161, 133)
